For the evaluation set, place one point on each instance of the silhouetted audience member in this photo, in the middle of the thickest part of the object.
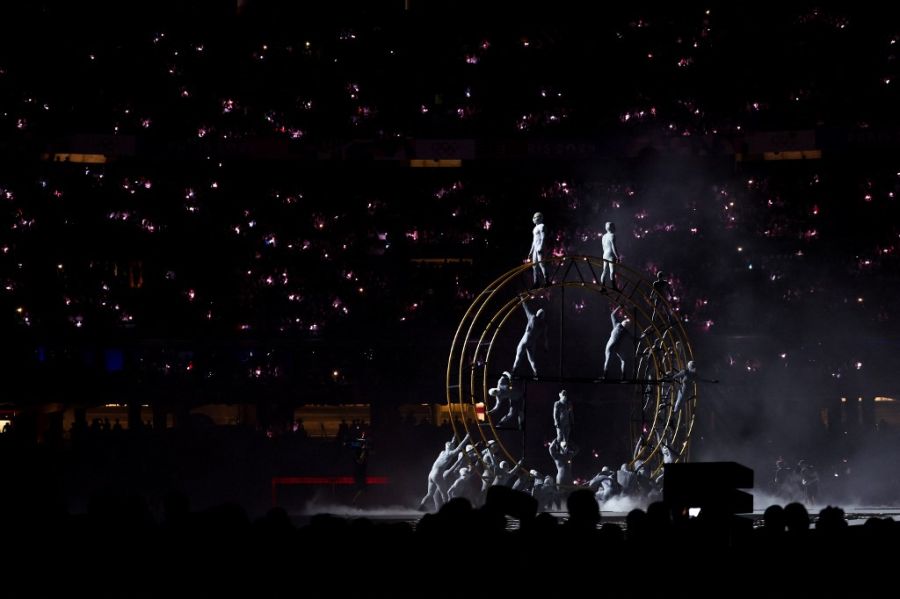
(831, 520)
(796, 519)
(774, 521)
(584, 512)
(637, 527)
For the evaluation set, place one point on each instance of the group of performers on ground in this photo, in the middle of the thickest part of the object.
(468, 470)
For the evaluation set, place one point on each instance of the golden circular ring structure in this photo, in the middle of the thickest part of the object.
(658, 433)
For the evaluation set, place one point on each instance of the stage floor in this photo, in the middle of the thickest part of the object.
(856, 515)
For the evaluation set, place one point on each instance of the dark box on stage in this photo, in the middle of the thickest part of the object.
(710, 485)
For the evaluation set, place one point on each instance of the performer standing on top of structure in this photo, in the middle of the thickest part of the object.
(610, 255)
(536, 253)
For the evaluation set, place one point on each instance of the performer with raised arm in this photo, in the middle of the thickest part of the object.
(437, 486)
(537, 326)
(501, 392)
(666, 450)
(504, 475)
(616, 336)
(515, 416)
(562, 455)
